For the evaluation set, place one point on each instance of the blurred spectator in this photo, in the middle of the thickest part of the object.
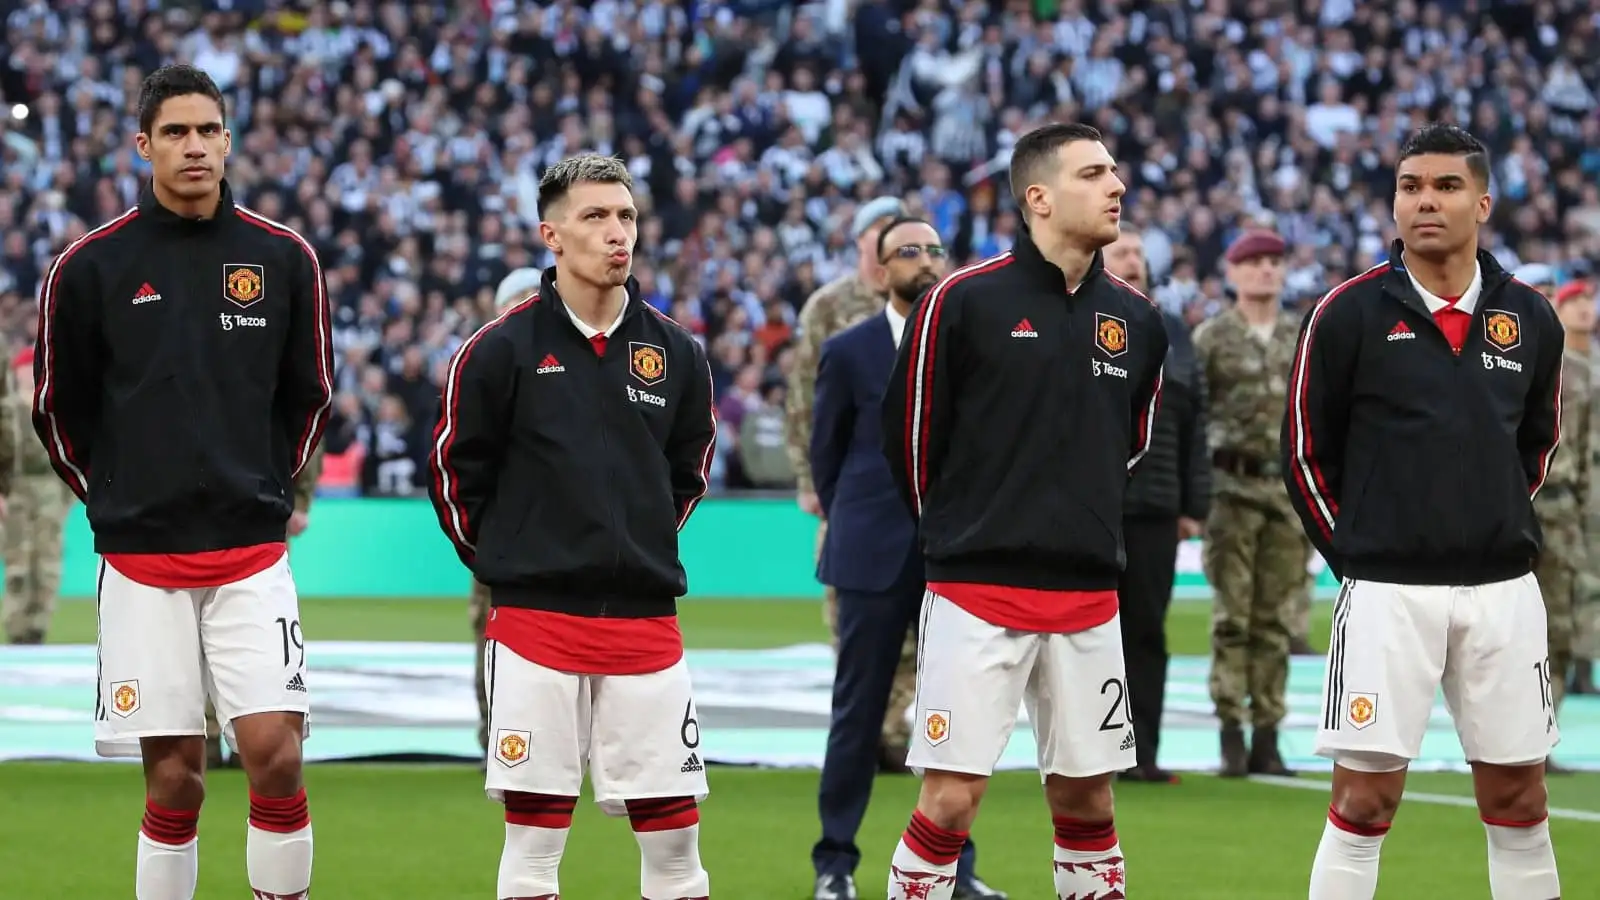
(405, 141)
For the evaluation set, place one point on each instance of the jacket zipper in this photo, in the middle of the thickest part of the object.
(605, 454)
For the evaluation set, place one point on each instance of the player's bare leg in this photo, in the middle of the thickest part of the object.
(924, 863)
(1515, 808)
(1088, 857)
(668, 832)
(1363, 808)
(537, 826)
(278, 839)
(168, 864)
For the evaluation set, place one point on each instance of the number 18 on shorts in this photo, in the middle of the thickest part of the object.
(972, 676)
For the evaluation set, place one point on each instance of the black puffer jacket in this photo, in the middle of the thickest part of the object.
(1174, 478)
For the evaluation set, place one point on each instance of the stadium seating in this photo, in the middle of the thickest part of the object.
(406, 143)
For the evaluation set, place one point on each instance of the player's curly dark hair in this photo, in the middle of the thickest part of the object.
(1444, 139)
(174, 81)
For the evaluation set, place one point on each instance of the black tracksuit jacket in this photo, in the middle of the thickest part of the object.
(1016, 411)
(563, 477)
(1408, 462)
(182, 376)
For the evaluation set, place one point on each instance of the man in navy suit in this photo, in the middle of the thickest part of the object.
(870, 554)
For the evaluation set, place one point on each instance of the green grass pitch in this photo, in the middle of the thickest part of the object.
(67, 830)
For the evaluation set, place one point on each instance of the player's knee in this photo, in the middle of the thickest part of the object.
(1511, 793)
(1367, 799)
(272, 759)
(174, 773)
(1086, 799)
(950, 799)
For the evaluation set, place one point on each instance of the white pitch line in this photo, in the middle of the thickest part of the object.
(1576, 815)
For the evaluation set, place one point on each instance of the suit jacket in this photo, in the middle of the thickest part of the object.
(1174, 478)
(871, 538)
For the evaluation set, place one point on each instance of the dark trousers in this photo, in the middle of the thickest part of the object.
(872, 629)
(1145, 593)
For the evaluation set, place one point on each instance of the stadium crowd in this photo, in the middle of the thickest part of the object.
(406, 140)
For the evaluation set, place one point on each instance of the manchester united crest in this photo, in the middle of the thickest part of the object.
(511, 747)
(936, 726)
(1110, 335)
(243, 283)
(647, 362)
(125, 698)
(1503, 329)
(1363, 710)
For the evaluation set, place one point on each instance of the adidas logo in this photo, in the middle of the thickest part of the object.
(147, 294)
(1401, 332)
(1127, 742)
(1024, 329)
(692, 764)
(550, 364)
(296, 684)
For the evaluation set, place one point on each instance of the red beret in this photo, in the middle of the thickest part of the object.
(1573, 290)
(24, 357)
(1255, 243)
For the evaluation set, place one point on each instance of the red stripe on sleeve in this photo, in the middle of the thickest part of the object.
(455, 517)
(74, 469)
(919, 374)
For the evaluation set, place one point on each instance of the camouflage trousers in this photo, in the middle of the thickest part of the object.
(1300, 610)
(478, 612)
(1255, 558)
(896, 728)
(1557, 573)
(1586, 613)
(35, 520)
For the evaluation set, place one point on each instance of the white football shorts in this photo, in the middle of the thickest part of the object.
(1395, 645)
(638, 736)
(161, 652)
(972, 676)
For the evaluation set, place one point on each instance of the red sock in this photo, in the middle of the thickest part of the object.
(539, 810)
(663, 813)
(1080, 836)
(939, 846)
(281, 815)
(173, 827)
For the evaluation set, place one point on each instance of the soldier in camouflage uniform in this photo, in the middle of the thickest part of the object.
(1561, 503)
(517, 286)
(36, 516)
(1255, 552)
(305, 489)
(24, 615)
(834, 307)
(1586, 615)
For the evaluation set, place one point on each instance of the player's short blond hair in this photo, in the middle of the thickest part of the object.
(575, 170)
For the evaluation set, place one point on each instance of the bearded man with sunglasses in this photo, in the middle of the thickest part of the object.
(870, 553)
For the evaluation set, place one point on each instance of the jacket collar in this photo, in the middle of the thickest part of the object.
(1027, 253)
(150, 207)
(548, 292)
(1397, 282)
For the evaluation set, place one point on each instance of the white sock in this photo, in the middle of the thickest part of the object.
(1522, 862)
(277, 847)
(166, 871)
(1091, 874)
(669, 865)
(530, 862)
(911, 876)
(1346, 867)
